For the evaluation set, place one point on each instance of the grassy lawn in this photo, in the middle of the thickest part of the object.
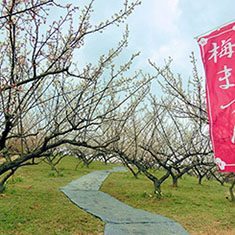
(33, 203)
(201, 209)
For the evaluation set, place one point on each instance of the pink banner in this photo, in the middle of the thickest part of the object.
(218, 56)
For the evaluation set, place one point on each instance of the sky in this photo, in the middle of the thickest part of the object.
(172, 25)
(159, 29)
(169, 28)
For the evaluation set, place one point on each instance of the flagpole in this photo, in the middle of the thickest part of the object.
(216, 28)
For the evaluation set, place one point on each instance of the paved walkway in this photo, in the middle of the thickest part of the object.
(120, 218)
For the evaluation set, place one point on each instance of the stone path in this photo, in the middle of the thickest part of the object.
(120, 218)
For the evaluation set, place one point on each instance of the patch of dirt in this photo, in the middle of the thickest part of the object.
(215, 232)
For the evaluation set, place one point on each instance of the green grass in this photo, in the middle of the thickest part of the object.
(201, 209)
(33, 203)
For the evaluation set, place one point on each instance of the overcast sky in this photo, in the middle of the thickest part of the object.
(168, 27)
(159, 29)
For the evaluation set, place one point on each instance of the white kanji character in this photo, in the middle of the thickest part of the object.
(214, 52)
(233, 138)
(227, 105)
(227, 74)
(226, 48)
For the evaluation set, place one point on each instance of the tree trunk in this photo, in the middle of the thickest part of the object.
(1, 187)
(55, 169)
(132, 171)
(231, 191)
(2, 183)
(175, 181)
(157, 188)
(221, 182)
(200, 180)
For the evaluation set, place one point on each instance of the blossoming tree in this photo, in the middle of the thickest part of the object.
(45, 102)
